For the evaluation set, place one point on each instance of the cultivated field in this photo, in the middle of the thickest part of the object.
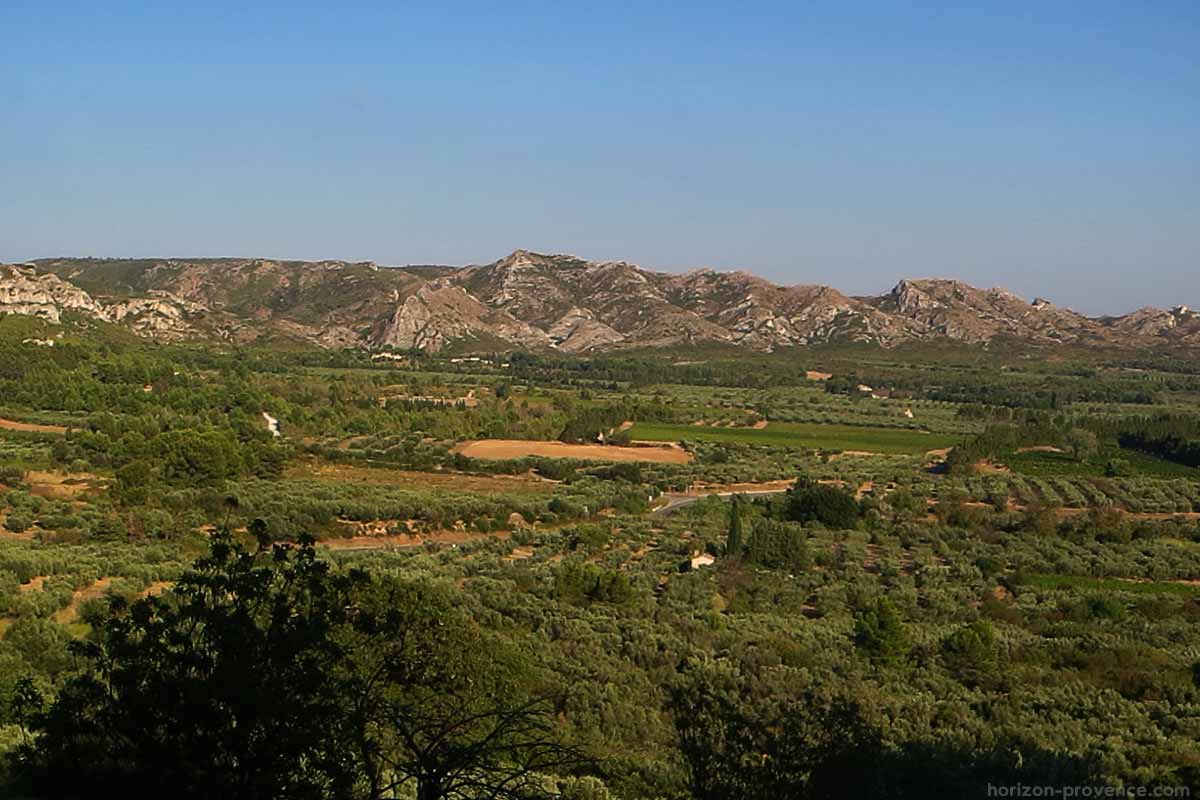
(518, 448)
(891, 441)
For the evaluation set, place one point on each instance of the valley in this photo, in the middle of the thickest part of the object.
(640, 519)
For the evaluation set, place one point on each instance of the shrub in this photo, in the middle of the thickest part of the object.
(832, 507)
(18, 522)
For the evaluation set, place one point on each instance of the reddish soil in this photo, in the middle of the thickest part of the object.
(29, 427)
(35, 584)
(59, 485)
(69, 614)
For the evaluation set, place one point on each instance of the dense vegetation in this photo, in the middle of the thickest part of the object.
(861, 613)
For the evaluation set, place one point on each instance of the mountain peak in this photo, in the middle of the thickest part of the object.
(536, 300)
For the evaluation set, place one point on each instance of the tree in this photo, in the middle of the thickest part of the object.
(219, 689)
(828, 505)
(971, 652)
(777, 545)
(18, 521)
(267, 674)
(190, 457)
(714, 735)
(1082, 443)
(735, 746)
(880, 633)
(823, 747)
(734, 540)
(440, 706)
(134, 481)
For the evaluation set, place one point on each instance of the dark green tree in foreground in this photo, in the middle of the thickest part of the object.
(438, 706)
(268, 674)
(738, 748)
(742, 741)
(221, 689)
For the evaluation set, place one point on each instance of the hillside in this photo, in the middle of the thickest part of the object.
(545, 302)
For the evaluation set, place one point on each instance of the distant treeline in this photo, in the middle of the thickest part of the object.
(1171, 437)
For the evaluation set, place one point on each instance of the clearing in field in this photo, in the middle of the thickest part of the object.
(59, 485)
(885, 441)
(70, 613)
(404, 479)
(30, 427)
(519, 448)
(403, 541)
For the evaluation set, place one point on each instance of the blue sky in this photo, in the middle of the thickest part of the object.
(1050, 147)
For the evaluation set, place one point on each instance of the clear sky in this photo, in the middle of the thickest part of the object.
(1050, 147)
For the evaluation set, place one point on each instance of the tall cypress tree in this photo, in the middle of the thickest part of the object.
(734, 542)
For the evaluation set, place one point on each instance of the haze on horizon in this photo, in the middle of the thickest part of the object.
(1051, 150)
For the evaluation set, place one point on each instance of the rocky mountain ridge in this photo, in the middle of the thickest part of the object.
(544, 302)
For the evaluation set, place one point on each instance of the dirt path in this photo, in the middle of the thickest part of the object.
(35, 584)
(702, 489)
(30, 427)
(406, 541)
(156, 588)
(669, 501)
(850, 453)
(447, 479)
(69, 614)
(517, 448)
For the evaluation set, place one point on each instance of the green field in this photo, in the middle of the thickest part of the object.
(890, 441)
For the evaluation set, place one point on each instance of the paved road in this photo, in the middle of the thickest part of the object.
(675, 500)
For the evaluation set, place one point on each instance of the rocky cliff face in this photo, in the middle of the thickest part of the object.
(23, 290)
(1180, 323)
(538, 301)
(436, 316)
(952, 309)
